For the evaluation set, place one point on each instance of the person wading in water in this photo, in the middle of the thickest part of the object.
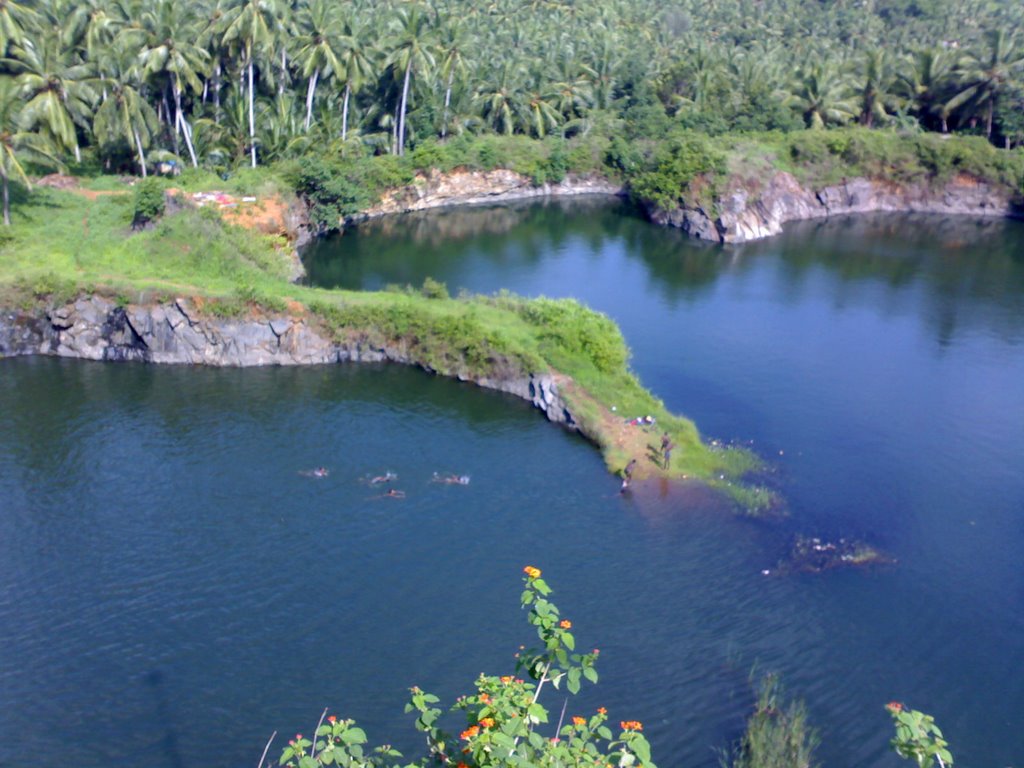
(627, 475)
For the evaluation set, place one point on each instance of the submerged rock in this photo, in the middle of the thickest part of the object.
(814, 555)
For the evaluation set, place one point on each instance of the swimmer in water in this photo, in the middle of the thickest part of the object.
(394, 493)
(318, 472)
(387, 477)
(450, 479)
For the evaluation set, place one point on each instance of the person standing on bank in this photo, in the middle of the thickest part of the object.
(666, 449)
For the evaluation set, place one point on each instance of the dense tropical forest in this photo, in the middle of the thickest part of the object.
(220, 83)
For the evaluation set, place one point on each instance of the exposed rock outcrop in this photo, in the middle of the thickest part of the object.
(750, 210)
(437, 190)
(177, 332)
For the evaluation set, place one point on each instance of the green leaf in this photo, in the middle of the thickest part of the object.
(537, 713)
(642, 749)
(570, 641)
(573, 685)
(286, 755)
(354, 736)
(604, 732)
(308, 762)
(590, 673)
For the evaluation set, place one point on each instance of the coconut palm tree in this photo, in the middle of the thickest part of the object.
(166, 38)
(984, 76)
(357, 67)
(411, 51)
(56, 88)
(125, 114)
(823, 95)
(875, 82)
(923, 80)
(17, 144)
(319, 27)
(454, 44)
(252, 24)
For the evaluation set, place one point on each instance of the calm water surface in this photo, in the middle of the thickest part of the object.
(173, 590)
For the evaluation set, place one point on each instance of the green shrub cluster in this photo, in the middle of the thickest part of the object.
(148, 202)
(567, 328)
(331, 191)
(446, 341)
(675, 165)
(902, 157)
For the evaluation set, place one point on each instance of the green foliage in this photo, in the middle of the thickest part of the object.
(567, 328)
(433, 289)
(777, 735)
(917, 737)
(504, 716)
(148, 202)
(675, 166)
(892, 156)
(331, 191)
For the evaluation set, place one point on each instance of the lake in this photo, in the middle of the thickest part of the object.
(175, 588)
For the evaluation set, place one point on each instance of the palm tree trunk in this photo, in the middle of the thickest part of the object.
(344, 112)
(401, 112)
(988, 118)
(167, 121)
(142, 156)
(447, 102)
(309, 96)
(180, 123)
(284, 70)
(252, 118)
(216, 93)
(7, 202)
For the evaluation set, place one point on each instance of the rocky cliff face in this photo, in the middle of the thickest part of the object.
(176, 332)
(438, 190)
(753, 210)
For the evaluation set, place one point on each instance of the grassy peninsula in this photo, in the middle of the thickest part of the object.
(72, 242)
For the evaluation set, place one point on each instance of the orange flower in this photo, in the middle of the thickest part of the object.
(533, 573)
(631, 725)
(462, 765)
(485, 699)
(565, 624)
(470, 732)
(602, 711)
(332, 719)
(506, 679)
(487, 722)
(895, 707)
(579, 721)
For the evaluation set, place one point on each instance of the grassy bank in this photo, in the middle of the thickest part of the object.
(65, 243)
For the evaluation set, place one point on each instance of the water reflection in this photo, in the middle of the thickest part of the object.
(958, 273)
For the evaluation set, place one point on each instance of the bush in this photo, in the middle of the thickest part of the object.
(675, 167)
(148, 202)
(330, 193)
(432, 289)
(570, 328)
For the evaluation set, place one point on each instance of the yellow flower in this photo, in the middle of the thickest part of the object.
(565, 624)
(533, 573)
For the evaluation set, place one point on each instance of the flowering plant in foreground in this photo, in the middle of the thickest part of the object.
(506, 725)
(917, 737)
